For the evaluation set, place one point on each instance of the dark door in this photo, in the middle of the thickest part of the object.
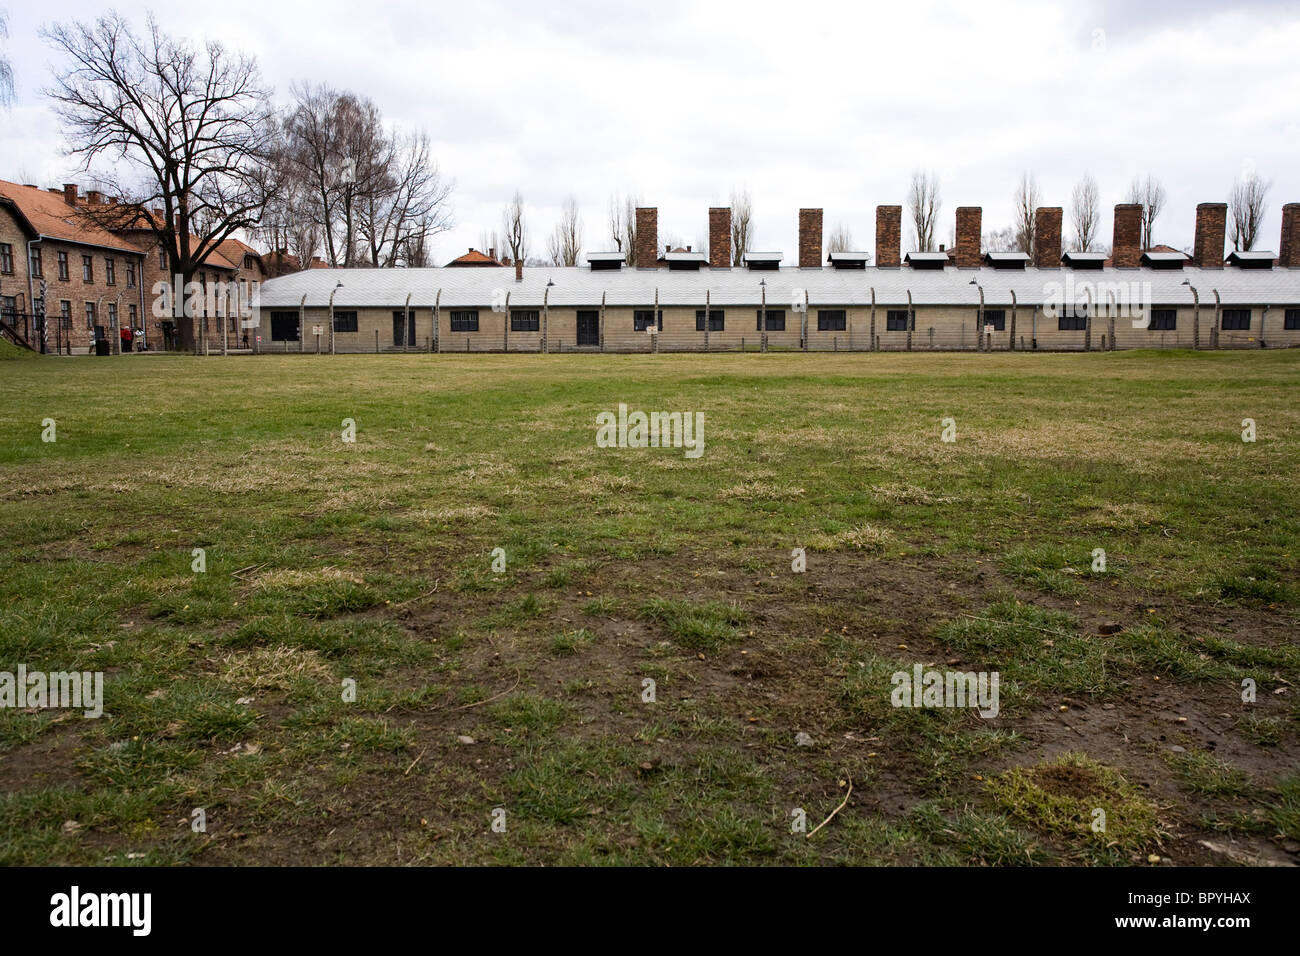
(588, 328)
(403, 332)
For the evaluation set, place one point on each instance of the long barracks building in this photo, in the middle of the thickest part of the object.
(692, 301)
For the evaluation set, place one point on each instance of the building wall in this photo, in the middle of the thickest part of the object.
(944, 328)
(74, 336)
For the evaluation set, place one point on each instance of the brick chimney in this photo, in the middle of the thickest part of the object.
(1211, 231)
(889, 236)
(967, 249)
(720, 237)
(810, 238)
(647, 237)
(1047, 237)
(1126, 238)
(519, 269)
(94, 197)
(492, 252)
(70, 193)
(1289, 251)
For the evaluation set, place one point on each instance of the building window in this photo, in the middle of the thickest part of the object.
(132, 316)
(465, 320)
(1163, 320)
(87, 268)
(996, 318)
(525, 320)
(1075, 320)
(345, 321)
(832, 320)
(130, 275)
(112, 315)
(34, 261)
(162, 259)
(63, 266)
(642, 319)
(8, 305)
(284, 326)
(90, 316)
(110, 271)
(775, 320)
(65, 314)
(1236, 320)
(896, 320)
(1292, 321)
(6, 258)
(717, 320)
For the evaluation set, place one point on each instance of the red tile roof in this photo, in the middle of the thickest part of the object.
(47, 214)
(474, 258)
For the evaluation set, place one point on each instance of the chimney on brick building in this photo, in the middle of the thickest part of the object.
(810, 238)
(1289, 250)
(969, 221)
(93, 197)
(1126, 236)
(519, 269)
(1211, 231)
(647, 237)
(1047, 237)
(889, 236)
(70, 193)
(720, 237)
(492, 253)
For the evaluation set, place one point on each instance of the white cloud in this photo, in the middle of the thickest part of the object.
(807, 104)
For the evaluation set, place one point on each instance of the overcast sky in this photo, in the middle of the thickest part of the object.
(803, 103)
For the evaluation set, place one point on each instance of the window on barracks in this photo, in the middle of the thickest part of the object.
(525, 320)
(896, 320)
(464, 320)
(717, 320)
(832, 320)
(1236, 320)
(775, 320)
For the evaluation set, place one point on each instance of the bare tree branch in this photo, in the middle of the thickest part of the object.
(1247, 207)
(193, 128)
(1085, 213)
(923, 204)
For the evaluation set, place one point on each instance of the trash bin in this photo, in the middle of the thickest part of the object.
(101, 347)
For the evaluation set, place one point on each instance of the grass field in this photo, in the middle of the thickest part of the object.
(523, 690)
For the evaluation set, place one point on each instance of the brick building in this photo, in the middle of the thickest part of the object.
(55, 261)
(963, 299)
(97, 264)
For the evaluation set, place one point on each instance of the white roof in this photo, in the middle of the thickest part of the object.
(1253, 256)
(926, 257)
(1085, 257)
(847, 256)
(763, 256)
(685, 257)
(604, 256)
(581, 286)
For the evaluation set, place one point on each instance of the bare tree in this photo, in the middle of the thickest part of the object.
(841, 239)
(1247, 206)
(923, 204)
(408, 206)
(566, 241)
(516, 230)
(1085, 212)
(1150, 195)
(742, 225)
(193, 128)
(6, 68)
(617, 222)
(1027, 200)
(1006, 239)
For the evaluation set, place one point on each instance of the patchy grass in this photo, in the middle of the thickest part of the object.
(336, 568)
